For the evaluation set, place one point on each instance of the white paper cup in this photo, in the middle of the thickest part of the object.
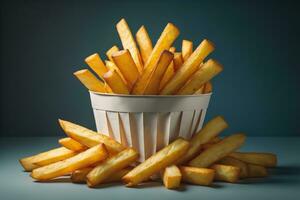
(148, 122)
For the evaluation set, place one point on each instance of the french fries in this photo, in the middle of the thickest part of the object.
(90, 81)
(164, 42)
(171, 177)
(111, 51)
(218, 151)
(96, 64)
(178, 60)
(169, 72)
(226, 173)
(236, 163)
(129, 43)
(208, 87)
(152, 86)
(71, 144)
(45, 158)
(210, 69)
(189, 67)
(127, 66)
(144, 42)
(112, 66)
(263, 159)
(81, 160)
(214, 127)
(198, 176)
(79, 176)
(115, 82)
(187, 49)
(160, 160)
(88, 137)
(256, 171)
(111, 166)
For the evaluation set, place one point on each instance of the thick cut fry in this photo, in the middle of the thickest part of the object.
(90, 81)
(200, 90)
(161, 67)
(164, 42)
(209, 70)
(189, 67)
(169, 72)
(115, 82)
(111, 51)
(187, 49)
(112, 66)
(178, 60)
(127, 66)
(263, 159)
(129, 43)
(160, 160)
(79, 176)
(88, 137)
(218, 151)
(41, 159)
(96, 64)
(198, 176)
(236, 163)
(81, 160)
(111, 166)
(208, 87)
(171, 177)
(226, 173)
(144, 42)
(71, 144)
(213, 128)
(256, 171)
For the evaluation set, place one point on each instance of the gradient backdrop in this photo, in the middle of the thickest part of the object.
(43, 42)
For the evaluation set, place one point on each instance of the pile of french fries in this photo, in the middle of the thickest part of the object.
(94, 158)
(143, 69)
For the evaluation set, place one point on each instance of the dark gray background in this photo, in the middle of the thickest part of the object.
(43, 42)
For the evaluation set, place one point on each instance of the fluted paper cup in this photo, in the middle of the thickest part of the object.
(148, 123)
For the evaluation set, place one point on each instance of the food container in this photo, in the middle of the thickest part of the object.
(148, 122)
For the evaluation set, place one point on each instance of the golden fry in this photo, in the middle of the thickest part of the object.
(236, 163)
(127, 66)
(152, 86)
(112, 66)
(256, 171)
(209, 70)
(144, 42)
(71, 144)
(178, 60)
(90, 81)
(110, 166)
(88, 137)
(208, 87)
(160, 160)
(218, 151)
(226, 173)
(198, 176)
(164, 42)
(96, 64)
(129, 43)
(213, 128)
(263, 159)
(81, 160)
(171, 177)
(187, 49)
(189, 67)
(79, 176)
(115, 82)
(169, 72)
(41, 159)
(111, 51)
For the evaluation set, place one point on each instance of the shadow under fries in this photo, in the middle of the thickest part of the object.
(57, 180)
(284, 175)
